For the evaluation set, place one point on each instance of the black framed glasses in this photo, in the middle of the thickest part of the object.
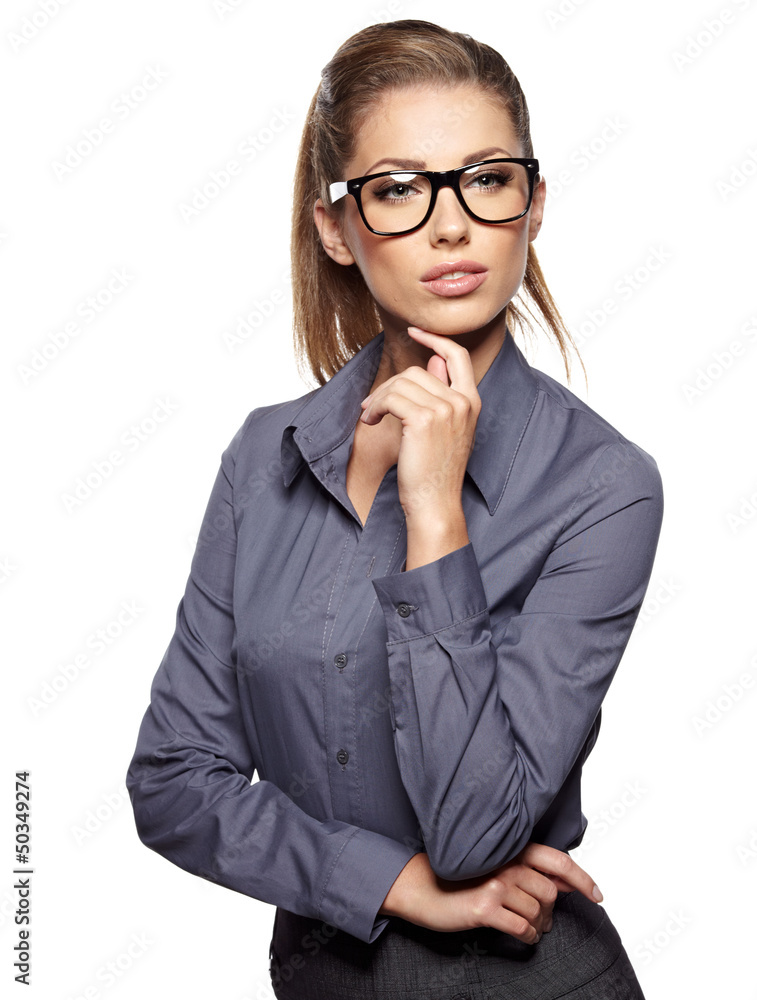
(396, 202)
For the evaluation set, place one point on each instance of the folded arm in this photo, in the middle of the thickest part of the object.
(488, 724)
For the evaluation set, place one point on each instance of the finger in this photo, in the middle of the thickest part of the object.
(559, 868)
(458, 360)
(557, 863)
(402, 402)
(503, 919)
(418, 385)
(561, 884)
(435, 384)
(438, 366)
(535, 883)
(516, 899)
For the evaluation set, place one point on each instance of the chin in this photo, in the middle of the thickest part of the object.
(462, 320)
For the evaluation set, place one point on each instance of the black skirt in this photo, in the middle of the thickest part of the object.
(582, 958)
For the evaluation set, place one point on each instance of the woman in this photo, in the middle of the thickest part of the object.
(413, 584)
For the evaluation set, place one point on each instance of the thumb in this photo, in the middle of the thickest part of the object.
(438, 366)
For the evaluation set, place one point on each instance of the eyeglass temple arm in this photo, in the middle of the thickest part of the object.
(337, 190)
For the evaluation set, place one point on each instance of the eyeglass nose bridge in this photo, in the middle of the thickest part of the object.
(445, 178)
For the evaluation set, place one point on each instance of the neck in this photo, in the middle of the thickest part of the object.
(400, 351)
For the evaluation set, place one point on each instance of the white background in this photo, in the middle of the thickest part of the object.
(675, 176)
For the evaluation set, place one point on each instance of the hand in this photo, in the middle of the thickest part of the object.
(438, 407)
(516, 899)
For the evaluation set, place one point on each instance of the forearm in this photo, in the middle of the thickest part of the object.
(198, 812)
(517, 898)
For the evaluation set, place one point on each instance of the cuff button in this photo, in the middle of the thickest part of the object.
(403, 610)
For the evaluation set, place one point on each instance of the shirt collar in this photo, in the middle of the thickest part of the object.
(508, 391)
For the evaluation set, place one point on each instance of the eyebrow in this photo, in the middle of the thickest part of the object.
(401, 164)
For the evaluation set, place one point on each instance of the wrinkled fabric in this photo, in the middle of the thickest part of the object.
(448, 708)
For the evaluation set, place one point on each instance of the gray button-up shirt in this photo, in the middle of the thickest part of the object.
(448, 708)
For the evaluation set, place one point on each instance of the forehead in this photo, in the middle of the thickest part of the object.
(437, 126)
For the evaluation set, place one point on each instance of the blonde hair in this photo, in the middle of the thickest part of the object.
(333, 311)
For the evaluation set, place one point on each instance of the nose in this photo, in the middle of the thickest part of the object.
(449, 223)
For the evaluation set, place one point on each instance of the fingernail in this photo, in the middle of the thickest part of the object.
(597, 894)
(548, 927)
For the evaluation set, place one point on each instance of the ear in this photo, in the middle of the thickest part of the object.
(332, 237)
(536, 212)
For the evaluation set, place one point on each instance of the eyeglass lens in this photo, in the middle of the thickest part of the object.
(400, 201)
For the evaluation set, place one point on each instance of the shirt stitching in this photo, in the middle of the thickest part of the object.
(517, 447)
(331, 871)
(323, 670)
(358, 773)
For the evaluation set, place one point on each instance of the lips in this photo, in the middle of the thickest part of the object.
(450, 267)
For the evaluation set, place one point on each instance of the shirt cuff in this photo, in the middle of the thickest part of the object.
(432, 597)
(364, 872)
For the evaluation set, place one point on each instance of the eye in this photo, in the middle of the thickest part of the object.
(396, 188)
(490, 180)
(394, 192)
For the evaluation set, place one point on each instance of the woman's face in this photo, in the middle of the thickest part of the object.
(439, 129)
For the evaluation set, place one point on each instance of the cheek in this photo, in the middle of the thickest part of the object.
(382, 262)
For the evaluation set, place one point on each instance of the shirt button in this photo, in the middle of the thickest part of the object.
(342, 756)
(403, 610)
(340, 660)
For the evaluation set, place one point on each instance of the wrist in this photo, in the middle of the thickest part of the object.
(405, 886)
(432, 534)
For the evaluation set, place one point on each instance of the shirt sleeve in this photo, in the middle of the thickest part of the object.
(488, 722)
(190, 776)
